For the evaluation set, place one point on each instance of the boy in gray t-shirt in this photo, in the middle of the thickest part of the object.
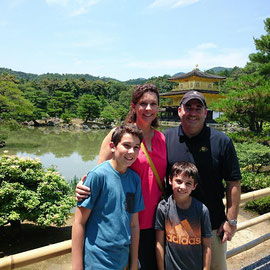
(183, 228)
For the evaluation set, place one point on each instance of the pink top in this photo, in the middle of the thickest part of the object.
(150, 189)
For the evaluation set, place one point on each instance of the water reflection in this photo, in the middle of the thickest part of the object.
(73, 153)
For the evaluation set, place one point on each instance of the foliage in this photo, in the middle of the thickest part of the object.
(18, 74)
(136, 81)
(114, 112)
(29, 192)
(60, 102)
(254, 159)
(37, 96)
(250, 136)
(12, 103)
(247, 91)
(109, 114)
(114, 89)
(67, 117)
(261, 206)
(252, 156)
(162, 83)
(260, 61)
(247, 102)
(89, 107)
(254, 181)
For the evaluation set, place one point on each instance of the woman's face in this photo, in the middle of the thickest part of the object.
(146, 108)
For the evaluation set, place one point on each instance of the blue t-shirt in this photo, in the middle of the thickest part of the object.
(114, 198)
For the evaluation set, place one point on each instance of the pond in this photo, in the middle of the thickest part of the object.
(71, 153)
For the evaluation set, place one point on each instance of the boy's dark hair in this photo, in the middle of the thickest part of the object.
(120, 131)
(188, 168)
(136, 96)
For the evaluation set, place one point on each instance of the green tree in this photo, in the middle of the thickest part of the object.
(114, 89)
(13, 105)
(89, 107)
(98, 88)
(38, 97)
(109, 114)
(113, 112)
(61, 102)
(162, 83)
(29, 192)
(247, 92)
(247, 102)
(260, 61)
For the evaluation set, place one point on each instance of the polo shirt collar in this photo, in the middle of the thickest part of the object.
(182, 135)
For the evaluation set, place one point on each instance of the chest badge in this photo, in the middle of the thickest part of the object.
(203, 149)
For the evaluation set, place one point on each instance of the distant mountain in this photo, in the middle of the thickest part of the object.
(177, 74)
(219, 69)
(18, 74)
(87, 77)
(214, 69)
(29, 76)
(136, 81)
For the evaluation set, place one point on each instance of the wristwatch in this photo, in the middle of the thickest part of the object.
(232, 222)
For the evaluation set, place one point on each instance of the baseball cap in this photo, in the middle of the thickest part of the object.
(193, 95)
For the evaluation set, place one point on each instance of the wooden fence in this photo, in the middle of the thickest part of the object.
(54, 250)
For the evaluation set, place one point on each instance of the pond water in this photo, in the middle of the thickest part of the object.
(72, 153)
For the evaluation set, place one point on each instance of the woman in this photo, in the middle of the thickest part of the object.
(143, 113)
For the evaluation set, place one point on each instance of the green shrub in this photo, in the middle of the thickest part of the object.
(29, 192)
(260, 206)
(250, 137)
(252, 156)
(66, 117)
(252, 181)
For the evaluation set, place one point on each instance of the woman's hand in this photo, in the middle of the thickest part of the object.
(82, 191)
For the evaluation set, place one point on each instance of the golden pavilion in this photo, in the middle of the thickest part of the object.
(196, 80)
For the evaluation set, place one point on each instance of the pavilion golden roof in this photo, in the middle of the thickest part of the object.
(195, 80)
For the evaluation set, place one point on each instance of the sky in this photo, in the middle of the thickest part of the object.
(128, 39)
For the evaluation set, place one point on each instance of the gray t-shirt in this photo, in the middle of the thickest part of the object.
(184, 230)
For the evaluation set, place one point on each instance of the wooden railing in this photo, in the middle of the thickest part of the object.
(44, 253)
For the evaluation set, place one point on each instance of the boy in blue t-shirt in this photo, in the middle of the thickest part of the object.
(106, 228)
(183, 228)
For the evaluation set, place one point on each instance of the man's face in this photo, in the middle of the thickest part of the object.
(192, 115)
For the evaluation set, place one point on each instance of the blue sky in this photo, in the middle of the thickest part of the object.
(128, 39)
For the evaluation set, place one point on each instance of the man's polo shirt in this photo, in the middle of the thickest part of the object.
(214, 155)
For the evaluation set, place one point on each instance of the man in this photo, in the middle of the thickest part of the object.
(214, 155)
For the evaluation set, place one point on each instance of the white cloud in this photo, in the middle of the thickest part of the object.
(204, 60)
(74, 7)
(172, 3)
